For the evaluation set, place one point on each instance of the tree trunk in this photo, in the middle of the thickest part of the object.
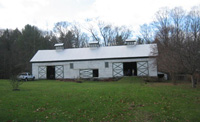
(193, 82)
(173, 78)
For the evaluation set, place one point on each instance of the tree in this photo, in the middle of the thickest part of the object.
(146, 33)
(17, 48)
(29, 43)
(170, 40)
(140, 40)
(70, 34)
(109, 34)
(166, 58)
(81, 39)
(178, 16)
(191, 55)
(15, 83)
(124, 32)
(162, 25)
(68, 39)
(194, 22)
(119, 40)
(8, 52)
(178, 41)
(61, 28)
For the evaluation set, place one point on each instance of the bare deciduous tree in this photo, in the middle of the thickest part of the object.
(109, 33)
(146, 32)
(178, 41)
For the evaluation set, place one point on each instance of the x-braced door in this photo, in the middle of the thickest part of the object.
(86, 73)
(118, 70)
(42, 72)
(142, 69)
(59, 72)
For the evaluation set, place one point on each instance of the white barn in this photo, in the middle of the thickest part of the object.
(95, 62)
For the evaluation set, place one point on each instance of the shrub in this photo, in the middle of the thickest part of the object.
(15, 83)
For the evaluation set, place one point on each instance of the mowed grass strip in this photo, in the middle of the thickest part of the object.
(130, 99)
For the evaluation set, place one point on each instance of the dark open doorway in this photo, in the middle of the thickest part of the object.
(130, 68)
(50, 72)
(95, 73)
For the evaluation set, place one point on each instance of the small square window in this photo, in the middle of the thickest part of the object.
(71, 66)
(106, 65)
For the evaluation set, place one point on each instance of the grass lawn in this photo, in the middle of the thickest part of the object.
(129, 99)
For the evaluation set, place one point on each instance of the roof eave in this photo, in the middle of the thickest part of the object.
(117, 58)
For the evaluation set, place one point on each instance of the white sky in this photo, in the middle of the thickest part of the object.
(45, 13)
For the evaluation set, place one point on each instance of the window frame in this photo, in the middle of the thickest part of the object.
(106, 64)
(71, 65)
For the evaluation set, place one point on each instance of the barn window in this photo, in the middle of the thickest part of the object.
(71, 66)
(106, 65)
(95, 73)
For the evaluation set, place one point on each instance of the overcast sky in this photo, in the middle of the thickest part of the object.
(45, 13)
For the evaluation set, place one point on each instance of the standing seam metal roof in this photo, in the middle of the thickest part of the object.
(125, 51)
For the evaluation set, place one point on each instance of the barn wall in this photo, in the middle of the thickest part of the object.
(97, 64)
(152, 67)
(35, 70)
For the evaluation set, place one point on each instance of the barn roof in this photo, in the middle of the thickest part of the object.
(111, 52)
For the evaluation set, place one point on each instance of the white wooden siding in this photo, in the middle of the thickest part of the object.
(97, 64)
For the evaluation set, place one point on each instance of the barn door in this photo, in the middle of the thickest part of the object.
(42, 72)
(118, 70)
(142, 69)
(86, 73)
(59, 72)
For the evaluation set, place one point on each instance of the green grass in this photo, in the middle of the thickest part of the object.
(129, 99)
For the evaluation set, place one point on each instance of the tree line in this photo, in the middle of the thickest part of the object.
(17, 47)
(176, 32)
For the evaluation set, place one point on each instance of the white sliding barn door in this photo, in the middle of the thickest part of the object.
(42, 72)
(118, 70)
(59, 72)
(86, 73)
(142, 68)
